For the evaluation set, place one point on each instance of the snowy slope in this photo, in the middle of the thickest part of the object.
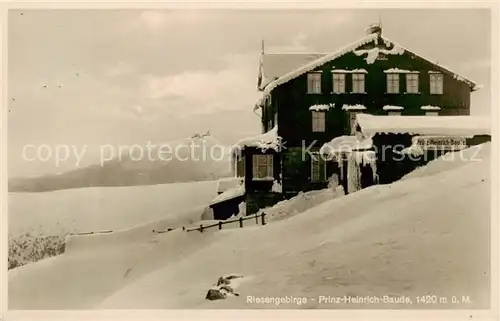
(423, 235)
(191, 159)
(102, 208)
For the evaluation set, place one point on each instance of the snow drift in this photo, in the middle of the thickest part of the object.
(418, 236)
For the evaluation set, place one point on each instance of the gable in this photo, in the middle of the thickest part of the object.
(275, 65)
(371, 48)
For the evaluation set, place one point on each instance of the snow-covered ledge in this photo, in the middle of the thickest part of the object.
(428, 107)
(353, 107)
(321, 107)
(400, 71)
(390, 107)
(267, 141)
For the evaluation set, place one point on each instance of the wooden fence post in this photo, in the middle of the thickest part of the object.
(263, 218)
(241, 221)
(201, 228)
(220, 225)
(256, 218)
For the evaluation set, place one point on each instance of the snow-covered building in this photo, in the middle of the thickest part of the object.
(311, 98)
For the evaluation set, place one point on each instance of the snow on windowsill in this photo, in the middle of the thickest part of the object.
(389, 107)
(353, 107)
(428, 107)
(267, 178)
(401, 71)
(353, 71)
(321, 107)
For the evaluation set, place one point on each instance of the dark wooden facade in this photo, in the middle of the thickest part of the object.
(288, 107)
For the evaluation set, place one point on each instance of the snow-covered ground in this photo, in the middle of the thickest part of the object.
(102, 208)
(425, 235)
(39, 222)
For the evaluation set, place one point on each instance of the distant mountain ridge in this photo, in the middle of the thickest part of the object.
(195, 164)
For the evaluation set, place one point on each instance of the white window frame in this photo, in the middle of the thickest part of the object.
(392, 83)
(412, 83)
(431, 113)
(436, 83)
(316, 160)
(314, 83)
(262, 161)
(318, 121)
(338, 83)
(358, 83)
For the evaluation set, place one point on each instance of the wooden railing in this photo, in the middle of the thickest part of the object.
(202, 227)
(91, 233)
(240, 220)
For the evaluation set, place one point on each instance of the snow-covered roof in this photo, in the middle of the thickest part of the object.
(275, 65)
(402, 71)
(269, 140)
(428, 107)
(321, 107)
(294, 73)
(229, 194)
(227, 183)
(373, 53)
(353, 107)
(345, 144)
(390, 107)
(303, 64)
(424, 125)
(349, 71)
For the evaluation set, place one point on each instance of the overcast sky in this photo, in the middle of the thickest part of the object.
(130, 76)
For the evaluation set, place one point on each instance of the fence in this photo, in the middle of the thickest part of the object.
(90, 233)
(240, 220)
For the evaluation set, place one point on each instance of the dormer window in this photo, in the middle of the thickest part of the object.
(314, 83)
(338, 83)
(436, 83)
(358, 83)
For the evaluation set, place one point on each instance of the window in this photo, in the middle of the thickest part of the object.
(392, 83)
(412, 83)
(431, 113)
(240, 167)
(262, 167)
(338, 83)
(314, 83)
(318, 121)
(436, 82)
(358, 83)
(318, 169)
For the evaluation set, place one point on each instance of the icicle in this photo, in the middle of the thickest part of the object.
(353, 173)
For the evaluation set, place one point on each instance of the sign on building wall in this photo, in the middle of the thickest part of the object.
(441, 143)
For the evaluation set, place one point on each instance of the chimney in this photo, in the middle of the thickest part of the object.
(374, 28)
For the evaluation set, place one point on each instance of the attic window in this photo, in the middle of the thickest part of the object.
(392, 83)
(314, 83)
(338, 83)
(436, 83)
(358, 83)
(412, 83)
